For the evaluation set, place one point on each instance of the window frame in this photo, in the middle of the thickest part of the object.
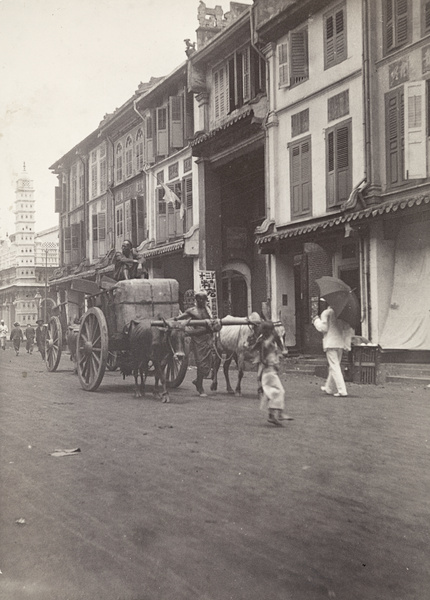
(388, 49)
(337, 170)
(292, 146)
(340, 56)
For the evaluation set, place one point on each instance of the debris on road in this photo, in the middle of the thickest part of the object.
(21, 521)
(67, 452)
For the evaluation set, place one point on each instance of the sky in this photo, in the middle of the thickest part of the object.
(64, 64)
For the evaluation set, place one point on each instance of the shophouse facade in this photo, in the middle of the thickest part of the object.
(227, 74)
(347, 162)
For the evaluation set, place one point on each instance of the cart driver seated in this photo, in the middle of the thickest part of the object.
(127, 262)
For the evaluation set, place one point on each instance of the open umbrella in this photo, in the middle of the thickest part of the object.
(341, 298)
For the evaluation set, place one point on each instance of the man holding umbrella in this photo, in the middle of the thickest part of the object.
(335, 325)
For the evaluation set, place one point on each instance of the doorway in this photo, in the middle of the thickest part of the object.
(234, 294)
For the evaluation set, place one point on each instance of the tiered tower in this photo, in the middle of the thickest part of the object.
(24, 211)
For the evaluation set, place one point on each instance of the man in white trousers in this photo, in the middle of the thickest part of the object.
(337, 336)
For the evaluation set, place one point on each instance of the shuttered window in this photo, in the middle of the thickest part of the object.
(395, 136)
(221, 95)
(149, 146)
(339, 163)
(299, 70)
(129, 157)
(396, 24)
(425, 17)
(119, 162)
(162, 133)
(187, 195)
(284, 79)
(300, 178)
(176, 122)
(335, 42)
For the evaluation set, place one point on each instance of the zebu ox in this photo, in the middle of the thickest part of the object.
(72, 340)
(151, 345)
(236, 342)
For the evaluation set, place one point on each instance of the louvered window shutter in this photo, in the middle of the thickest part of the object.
(401, 21)
(343, 164)
(426, 17)
(162, 214)
(284, 79)
(162, 132)
(394, 120)
(176, 122)
(179, 223)
(149, 145)
(58, 199)
(415, 130)
(340, 37)
(299, 56)
(301, 178)
(329, 33)
(246, 75)
(187, 195)
(67, 244)
(331, 198)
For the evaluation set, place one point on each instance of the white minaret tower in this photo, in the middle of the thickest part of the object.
(24, 211)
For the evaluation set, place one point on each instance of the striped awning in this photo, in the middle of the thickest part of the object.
(341, 219)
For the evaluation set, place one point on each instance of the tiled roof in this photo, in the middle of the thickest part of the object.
(206, 136)
(166, 249)
(327, 223)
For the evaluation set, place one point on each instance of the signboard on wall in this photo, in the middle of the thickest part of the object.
(208, 284)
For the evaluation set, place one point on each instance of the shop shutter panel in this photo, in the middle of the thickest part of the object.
(299, 56)
(284, 79)
(176, 122)
(415, 130)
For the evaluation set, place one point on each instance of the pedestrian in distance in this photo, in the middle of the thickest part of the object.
(3, 334)
(29, 336)
(16, 337)
(202, 339)
(41, 337)
(270, 389)
(337, 335)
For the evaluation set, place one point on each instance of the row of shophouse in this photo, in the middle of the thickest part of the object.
(295, 137)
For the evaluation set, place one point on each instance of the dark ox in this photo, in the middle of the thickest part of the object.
(236, 343)
(72, 341)
(151, 345)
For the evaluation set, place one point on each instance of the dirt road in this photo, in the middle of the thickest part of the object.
(202, 499)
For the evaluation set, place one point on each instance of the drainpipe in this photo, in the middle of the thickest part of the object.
(366, 95)
(368, 169)
(110, 140)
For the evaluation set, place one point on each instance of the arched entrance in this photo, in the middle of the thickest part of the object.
(236, 290)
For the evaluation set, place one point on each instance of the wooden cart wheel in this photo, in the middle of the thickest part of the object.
(92, 349)
(112, 361)
(176, 369)
(53, 343)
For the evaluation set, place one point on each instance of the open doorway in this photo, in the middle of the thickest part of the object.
(234, 294)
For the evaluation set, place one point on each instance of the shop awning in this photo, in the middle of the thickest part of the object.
(166, 249)
(326, 224)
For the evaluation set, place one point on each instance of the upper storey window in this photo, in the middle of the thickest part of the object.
(335, 43)
(119, 152)
(396, 25)
(237, 80)
(293, 59)
(425, 16)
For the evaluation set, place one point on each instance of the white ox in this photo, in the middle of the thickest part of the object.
(235, 342)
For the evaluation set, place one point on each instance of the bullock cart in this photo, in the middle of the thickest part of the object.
(103, 326)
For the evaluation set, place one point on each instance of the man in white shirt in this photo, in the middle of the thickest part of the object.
(337, 336)
(3, 334)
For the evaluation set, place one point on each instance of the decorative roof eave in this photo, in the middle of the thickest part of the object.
(328, 223)
(166, 249)
(207, 136)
